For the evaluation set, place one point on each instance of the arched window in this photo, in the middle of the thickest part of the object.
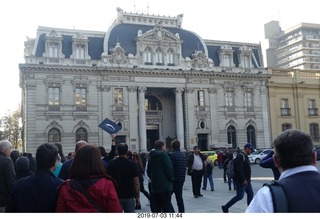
(54, 135)
(251, 135)
(232, 136)
(81, 134)
(152, 103)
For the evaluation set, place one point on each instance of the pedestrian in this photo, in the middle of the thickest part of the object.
(160, 172)
(220, 159)
(137, 160)
(22, 167)
(14, 155)
(195, 165)
(207, 176)
(267, 162)
(179, 163)
(295, 157)
(89, 188)
(229, 179)
(61, 154)
(39, 191)
(242, 177)
(125, 173)
(7, 173)
(225, 156)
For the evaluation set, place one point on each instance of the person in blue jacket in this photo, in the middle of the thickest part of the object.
(267, 162)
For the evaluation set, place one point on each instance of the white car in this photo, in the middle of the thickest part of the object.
(256, 156)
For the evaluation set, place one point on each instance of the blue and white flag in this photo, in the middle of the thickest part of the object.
(109, 126)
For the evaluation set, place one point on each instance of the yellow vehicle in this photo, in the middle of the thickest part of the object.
(212, 156)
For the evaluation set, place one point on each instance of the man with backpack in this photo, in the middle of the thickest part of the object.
(241, 178)
(295, 157)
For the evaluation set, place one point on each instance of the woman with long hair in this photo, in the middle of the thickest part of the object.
(89, 188)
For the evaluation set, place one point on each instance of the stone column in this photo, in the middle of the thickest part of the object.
(179, 116)
(142, 119)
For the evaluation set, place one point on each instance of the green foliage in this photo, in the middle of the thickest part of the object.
(10, 128)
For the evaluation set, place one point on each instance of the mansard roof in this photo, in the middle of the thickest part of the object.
(124, 32)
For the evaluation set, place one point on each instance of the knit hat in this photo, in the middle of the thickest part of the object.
(250, 146)
(22, 163)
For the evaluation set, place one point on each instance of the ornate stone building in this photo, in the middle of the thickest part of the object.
(149, 75)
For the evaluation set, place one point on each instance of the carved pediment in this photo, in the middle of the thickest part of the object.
(158, 33)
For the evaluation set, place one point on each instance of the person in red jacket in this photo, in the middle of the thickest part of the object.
(89, 188)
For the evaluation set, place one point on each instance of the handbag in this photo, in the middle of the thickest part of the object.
(80, 188)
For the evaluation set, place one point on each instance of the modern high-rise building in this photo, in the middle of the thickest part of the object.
(295, 48)
(153, 78)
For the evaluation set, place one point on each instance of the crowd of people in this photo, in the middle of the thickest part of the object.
(92, 180)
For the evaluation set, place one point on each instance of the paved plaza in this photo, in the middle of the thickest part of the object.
(211, 201)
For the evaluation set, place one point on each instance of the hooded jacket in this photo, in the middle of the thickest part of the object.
(160, 171)
(101, 189)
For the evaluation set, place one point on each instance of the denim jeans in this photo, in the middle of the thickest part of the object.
(241, 189)
(205, 180)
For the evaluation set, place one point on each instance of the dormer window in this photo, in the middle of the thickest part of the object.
(147, 56)
(80, 49)
(53, 50)
(244, 56)
(158, 56)
(170, 59)
(226, 56)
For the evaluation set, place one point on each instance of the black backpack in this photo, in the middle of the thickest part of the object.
(230, 167)
(279, 199)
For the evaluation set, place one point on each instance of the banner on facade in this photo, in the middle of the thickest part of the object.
(109, 126)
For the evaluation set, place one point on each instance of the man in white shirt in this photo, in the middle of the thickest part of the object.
(196, 170)
(296, 159)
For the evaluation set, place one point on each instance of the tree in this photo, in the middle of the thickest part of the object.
(10, 126)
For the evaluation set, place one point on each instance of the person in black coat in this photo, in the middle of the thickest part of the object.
(39, 191)
(22, 167)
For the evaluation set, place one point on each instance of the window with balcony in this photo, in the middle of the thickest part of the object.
(81, 135)
(286, 126)
(313, 111)
(54, 97)
(285, 110)
(314, 131)
(54, 135)
(81, 98)
(232, 136)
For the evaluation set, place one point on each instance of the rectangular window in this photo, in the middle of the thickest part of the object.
(229, 97)
(226, 60)
(54, 98)
(118, 93)
(81, 98)
(200, 98)
(285, 110)
(314, 131)
(313, 111)
(53, 50)
(248, 97)
(147, 57)
(79, 51)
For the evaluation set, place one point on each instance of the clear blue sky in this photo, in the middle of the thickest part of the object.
(231, 20)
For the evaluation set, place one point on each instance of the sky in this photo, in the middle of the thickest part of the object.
(225, 20)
